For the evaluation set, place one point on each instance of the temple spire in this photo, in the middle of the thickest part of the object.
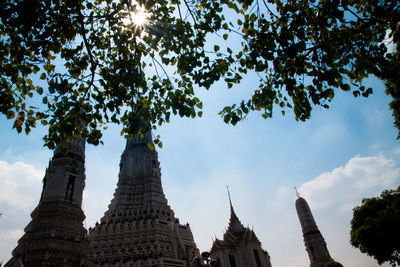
(56, 235)
(313, 240)
(239, 246)
(235, 226)
(230, 201)
(140, 211)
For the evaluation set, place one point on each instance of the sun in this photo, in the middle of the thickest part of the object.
(140, 16)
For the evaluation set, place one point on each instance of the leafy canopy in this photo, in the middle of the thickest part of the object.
(375, 227)
(91, 64)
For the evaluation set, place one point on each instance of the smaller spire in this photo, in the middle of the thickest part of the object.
(235, 225)
(297, 192)
(230, 201)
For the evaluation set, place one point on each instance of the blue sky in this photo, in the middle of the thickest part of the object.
(335, 159)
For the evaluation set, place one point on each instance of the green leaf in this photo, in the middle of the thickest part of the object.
(150, 145)
(10, 114)
(39, 90)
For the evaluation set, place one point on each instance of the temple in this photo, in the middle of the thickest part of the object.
(56, 236)
(239, 246)
(139, 228)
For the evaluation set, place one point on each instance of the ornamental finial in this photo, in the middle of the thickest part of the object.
(297, 192)
(229, 196)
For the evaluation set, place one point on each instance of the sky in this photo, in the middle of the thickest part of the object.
(340, 156)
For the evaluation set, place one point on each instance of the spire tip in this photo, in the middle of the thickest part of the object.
(297, 192)
(229, 196)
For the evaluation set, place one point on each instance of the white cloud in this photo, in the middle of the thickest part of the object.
(333, 195)
(21, 185)
(345, 186)
(8, 241)
(13, 234)
(19, 194)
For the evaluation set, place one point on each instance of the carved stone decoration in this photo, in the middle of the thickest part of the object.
(139, 228)
(56, 236)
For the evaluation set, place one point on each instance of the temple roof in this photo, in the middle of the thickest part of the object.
(235, 226)
(235, 234)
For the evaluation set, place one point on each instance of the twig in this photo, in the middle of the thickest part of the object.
(266, 5)
(93, 64)
(190, 11)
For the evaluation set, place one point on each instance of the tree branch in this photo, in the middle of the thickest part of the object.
(93, 64)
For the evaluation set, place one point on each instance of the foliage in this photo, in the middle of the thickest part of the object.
(103, 58)
(390, 75)
(92, 65)
(305, 50)
(375, 227)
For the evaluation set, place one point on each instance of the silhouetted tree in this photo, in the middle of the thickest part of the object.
(375, 227)
(92, 63)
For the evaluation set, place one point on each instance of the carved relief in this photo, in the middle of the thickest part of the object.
(139, 211)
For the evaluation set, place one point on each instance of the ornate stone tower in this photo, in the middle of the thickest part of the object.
(240, 246)
(56, 236)
(313, 239)
(139, 228)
